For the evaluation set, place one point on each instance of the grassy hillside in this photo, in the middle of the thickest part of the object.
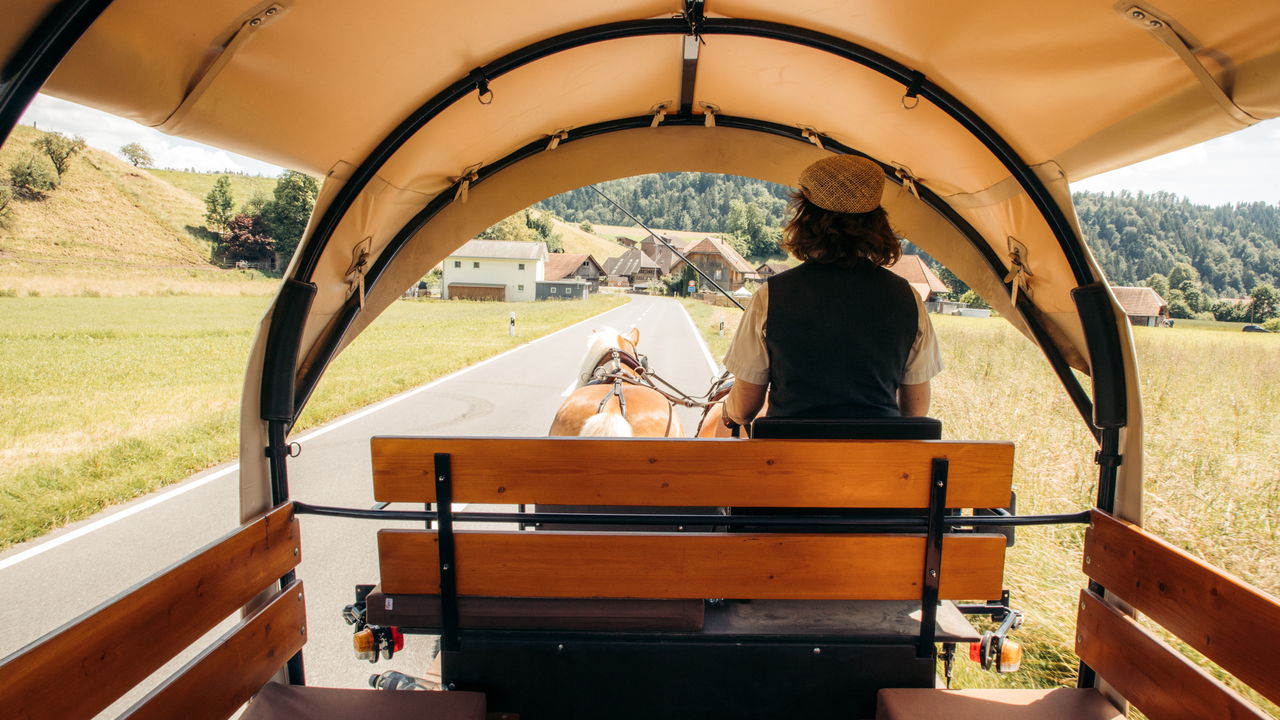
(198, 184)
(577, 240)
(638, 234)
(110, 229)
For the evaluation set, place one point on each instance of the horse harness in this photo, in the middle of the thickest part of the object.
(621, 368)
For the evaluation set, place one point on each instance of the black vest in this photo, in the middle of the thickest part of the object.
(838, 340)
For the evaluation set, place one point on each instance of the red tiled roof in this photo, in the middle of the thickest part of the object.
(772, 268)
(716, 245)
(913, 269)
(562, 265)
(1140, 301)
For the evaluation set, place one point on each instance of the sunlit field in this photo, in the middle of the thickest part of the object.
(105, 399)
(1212, 424)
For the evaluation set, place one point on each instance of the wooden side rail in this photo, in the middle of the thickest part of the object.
(1157, 679)
(1229, 621)
(693, 473)
(237, 665)
(695, 565)
(83, 667)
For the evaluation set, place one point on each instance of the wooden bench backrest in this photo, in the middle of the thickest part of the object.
(1227, 620)
(80, 669)
(692, 473)
(674, 473)
(693, 565)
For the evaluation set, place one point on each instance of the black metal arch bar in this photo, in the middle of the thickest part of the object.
(715, 26)
(329, 348)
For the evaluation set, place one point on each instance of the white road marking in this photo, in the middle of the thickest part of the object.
(706, 351)
(63, 539)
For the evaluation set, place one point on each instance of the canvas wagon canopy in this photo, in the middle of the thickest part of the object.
(431, 121)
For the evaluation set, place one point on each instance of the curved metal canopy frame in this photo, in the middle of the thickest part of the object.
(332, 341)
(839, 47)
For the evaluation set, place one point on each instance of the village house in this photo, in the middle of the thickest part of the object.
(720, 262)
(581, 266)
(633, 266)
(1143, 305)
(494, 270)
(771, 268)
(661, 254)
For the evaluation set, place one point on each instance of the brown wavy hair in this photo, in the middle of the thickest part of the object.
(814, 234)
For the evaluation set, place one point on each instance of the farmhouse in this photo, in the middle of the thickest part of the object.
(913, 269)
(494, 270)
(661, 254)
(720, 262)
(569, 288)
(568, 266)
(1143, 305)
(769, 269)
(633, 266)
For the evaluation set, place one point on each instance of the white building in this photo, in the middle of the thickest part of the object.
(494, 270)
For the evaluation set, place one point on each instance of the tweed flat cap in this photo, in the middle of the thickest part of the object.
(843, 183)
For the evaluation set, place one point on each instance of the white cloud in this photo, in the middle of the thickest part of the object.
(109, 133)
(1241, 167)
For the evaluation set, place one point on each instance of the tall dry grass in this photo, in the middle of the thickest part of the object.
(1212, 476)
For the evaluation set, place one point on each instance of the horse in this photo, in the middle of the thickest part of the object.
(612, 397)
(712, 423)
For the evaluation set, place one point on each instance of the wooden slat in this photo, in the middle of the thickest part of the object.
(1157, 679)
(79, 669)
(694, 565)
(222, 678)
(691, 473)
(1229, 621)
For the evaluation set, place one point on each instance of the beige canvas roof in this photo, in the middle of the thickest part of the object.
(431, 121)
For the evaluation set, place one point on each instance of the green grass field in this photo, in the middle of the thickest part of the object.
(1212, 425)
(106, 399)
(198, 185)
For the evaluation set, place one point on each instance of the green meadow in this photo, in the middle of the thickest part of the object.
(105, 399)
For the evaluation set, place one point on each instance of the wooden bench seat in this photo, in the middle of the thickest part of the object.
(289, 702)
(834, 615)
(1055, 704)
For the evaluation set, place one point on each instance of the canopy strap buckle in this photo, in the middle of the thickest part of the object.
(482, 86)
(659, 113)
(360, 255)
(1019, 273)
(908, 179)
(694, 14)
(464, 181)
(913, 90)
(709, 111)
(557, 136)
(810, 133)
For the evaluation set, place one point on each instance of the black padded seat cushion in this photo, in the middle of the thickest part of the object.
(292, 702)
(1059, 703)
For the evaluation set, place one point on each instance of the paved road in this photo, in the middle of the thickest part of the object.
(514, 394)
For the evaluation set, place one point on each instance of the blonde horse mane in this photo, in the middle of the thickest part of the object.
(600, 343)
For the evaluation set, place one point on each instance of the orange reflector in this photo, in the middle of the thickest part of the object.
(975, 650)
(364, 641)
(1010, 657)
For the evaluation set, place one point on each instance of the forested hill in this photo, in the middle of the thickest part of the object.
(1135, 236)
(697, 202)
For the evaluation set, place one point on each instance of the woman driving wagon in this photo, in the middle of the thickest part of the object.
(839, 336)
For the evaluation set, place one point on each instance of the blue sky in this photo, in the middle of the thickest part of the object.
(1242, 167)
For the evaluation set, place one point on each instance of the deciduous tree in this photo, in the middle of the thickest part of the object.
(136, 154)
(32, 175)
(218, 205)
(247, 239)
(287, 215)
(59, 149)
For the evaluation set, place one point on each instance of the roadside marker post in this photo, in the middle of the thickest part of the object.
(512, 326)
